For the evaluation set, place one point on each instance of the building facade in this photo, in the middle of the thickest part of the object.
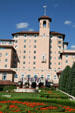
(35, 56)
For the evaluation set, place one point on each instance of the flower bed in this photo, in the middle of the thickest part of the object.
(32, 107)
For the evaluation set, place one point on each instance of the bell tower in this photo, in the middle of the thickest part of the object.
(44, 29)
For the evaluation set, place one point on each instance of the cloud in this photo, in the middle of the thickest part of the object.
(31, 30)
(68, 22)
(22, 25)
(73, 25)
(56, 5)
(73, 46)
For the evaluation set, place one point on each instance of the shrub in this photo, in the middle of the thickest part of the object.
(9, 88)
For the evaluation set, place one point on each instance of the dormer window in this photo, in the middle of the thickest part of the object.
(44, 24)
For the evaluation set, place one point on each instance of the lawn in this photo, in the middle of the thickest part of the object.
(47, 101)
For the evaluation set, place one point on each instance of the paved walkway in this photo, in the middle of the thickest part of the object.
(71, 97)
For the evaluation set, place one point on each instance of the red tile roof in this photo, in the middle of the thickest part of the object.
(8, 47)
(57, 34)
(26, 32)
(69, 53)
(7, 40)
(45, 17)
(33, 32)
(7, 70)
(7, 82)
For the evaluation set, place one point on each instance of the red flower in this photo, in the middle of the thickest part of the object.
(1, 112)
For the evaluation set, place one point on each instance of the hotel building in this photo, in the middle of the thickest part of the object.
(35, 56)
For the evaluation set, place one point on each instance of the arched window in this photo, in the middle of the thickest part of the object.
(4, 76)
(35, 76)
(42, 76)
(28, 76)
(22, 76)
(15, 76)
(48, 76)
(44, 23)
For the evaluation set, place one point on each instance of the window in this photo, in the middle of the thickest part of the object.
(25, 35)
(24, 40)
(24, 51)
(43, 59)
(42, 76)
(59, 63)
(59, 47)
(34, 62)
(35, 41)
(6, 60)
(22, 76)
(44, 35)
(59, 57)
(48, 76)
(44, 24)
(34, 57)
(55, 76)
(60, 37)
(24, 62)
(35, 35)
(4, 76)
(6, 54)
(10, 42)
(34, 46)
(24, 57)
(66, 61)
(51, 36)
(59, 42)
(15, 76)
(28, 76)
(24, 46)
(5, 65)
(34, 51)
(66, 55)
(35, 76)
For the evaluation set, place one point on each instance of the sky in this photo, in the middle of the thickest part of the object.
(22, 15)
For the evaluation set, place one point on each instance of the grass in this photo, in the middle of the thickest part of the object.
(48, 97)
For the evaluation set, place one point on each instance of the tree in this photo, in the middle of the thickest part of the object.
(72, 81)
(67, 73)
(63, 81)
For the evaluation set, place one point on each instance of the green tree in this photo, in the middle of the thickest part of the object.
(72, 81)
(63, 81)
(67, 75)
